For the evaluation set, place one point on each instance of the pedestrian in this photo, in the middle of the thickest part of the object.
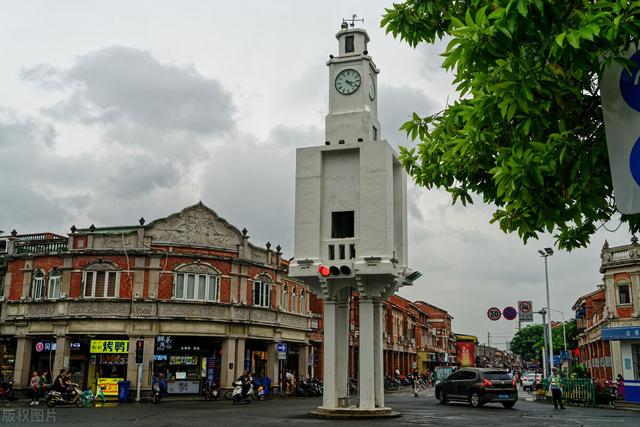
(44, 383)
(34, 388)
(555, 385)
(415, 377)
(620, 386)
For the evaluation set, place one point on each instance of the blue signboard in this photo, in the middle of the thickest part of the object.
(282, 347)
(621, 333)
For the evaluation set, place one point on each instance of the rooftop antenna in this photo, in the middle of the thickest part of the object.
(351, 22)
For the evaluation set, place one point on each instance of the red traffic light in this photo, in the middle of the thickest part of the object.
(139, 344)
(324, 270)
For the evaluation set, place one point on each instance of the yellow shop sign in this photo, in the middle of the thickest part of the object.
(109, 346)
(109, 386)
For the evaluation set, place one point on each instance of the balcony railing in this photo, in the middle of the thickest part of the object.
(42, 247)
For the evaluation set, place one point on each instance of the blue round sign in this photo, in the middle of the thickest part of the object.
(630, 84)
(509, 313)
(634, 161)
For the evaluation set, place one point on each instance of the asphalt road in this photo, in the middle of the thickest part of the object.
(420, 410)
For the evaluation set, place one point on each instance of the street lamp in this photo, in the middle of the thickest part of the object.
(546, 254)
(564, 331)
(545, 368)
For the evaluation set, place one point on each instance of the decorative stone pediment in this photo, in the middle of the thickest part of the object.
(196, 225)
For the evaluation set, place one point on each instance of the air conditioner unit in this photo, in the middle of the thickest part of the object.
(413, 341)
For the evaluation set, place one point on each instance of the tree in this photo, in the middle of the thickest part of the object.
(527, 132)
(528, 342)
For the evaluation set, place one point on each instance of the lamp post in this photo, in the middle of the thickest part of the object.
(545, 368)
(546, 254)
(564, 331)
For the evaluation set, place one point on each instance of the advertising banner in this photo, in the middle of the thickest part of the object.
(109, 346)
(109, 386)
(466, 353)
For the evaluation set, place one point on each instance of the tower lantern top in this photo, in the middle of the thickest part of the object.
(351, 40)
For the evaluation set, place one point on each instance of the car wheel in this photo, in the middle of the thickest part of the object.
(474, 399)
(442, 398)
(508, 405)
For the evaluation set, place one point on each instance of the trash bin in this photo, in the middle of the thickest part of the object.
(123, 391)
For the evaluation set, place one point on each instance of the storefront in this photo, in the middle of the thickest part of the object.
(7, 357)
(187, 362)
(43, 353)
(107, 364)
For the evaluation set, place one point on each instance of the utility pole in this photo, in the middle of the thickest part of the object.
(546, 254)
(545, 368)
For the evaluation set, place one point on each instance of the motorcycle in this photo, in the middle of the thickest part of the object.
(236, 395)
(6, 390)
(211, 391)
(156, 393)
(72, 397)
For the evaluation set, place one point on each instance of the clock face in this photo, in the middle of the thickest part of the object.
(372, 87)
(348, 81)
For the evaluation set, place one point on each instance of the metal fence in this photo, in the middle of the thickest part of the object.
(574, 390)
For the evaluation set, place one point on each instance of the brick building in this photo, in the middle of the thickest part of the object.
(207, 303)
(412, 338)
(608, 319)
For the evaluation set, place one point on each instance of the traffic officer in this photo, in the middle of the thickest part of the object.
(555, 385)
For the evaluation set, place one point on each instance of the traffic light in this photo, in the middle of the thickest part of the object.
(139, 351)
(334, 270)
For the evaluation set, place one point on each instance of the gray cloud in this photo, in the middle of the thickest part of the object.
(396, 105)
(123, 84)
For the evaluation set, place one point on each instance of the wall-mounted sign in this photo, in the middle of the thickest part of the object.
(39, 346)
(109, 346)
(75, 345)
(164, 343)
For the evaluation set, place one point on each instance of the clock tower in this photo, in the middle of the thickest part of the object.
(353, 100)
(351, 228)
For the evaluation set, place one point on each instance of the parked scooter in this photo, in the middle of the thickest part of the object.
(237, 395)
(211, 391)
(156, 393)
(6, 390)
(72, 397)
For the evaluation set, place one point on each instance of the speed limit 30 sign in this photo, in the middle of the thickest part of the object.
(494, 313)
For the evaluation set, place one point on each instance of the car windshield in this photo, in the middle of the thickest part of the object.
(496, 376)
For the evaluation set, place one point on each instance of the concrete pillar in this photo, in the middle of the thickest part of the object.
(21, 368)
(366, 352)
(147, 366)
(330, 394)
(63, 351)
(132, 366)
(303, 361)
(273, 364)
(378, 354)
(240, 350)
(227, 370)
(342, 350)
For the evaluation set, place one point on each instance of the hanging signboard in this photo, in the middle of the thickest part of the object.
(620, 95)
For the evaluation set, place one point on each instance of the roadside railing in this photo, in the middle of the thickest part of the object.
(579, 391)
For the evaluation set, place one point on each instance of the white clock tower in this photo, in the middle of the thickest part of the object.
(350, 227)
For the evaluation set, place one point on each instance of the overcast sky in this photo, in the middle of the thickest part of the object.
(110, 111)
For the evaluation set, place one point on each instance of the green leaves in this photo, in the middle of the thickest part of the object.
(527, 133)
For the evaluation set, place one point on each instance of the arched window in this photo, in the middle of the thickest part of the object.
(37, 288)
(101, 280)
(285, 298)
(196, 282)
(302, 307)
(293, 300)
(53, 289)
(262, 291)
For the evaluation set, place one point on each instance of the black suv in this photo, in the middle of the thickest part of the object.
(478, 386)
